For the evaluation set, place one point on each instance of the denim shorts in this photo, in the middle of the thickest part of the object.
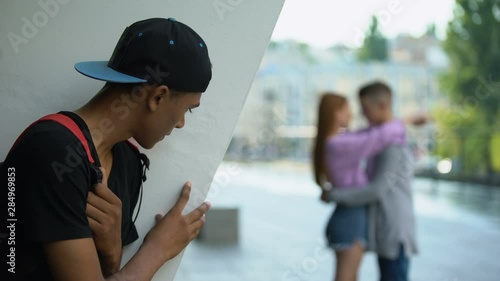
(346, 226)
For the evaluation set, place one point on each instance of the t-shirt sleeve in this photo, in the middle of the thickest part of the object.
(135, 171)
(52, 185)
(132, 233)
(131, 236)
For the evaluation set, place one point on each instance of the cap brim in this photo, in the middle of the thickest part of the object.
(101, 71)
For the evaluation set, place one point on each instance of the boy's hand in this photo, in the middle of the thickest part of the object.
(173, 232)
(326, 196)
(418, 119)
(104, 212)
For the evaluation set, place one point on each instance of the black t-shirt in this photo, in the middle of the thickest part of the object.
(52, 179)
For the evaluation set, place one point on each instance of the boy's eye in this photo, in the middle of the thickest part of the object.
(190, 110)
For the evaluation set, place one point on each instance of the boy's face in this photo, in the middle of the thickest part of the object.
(167, 111)
(375, 111)
(175, 109)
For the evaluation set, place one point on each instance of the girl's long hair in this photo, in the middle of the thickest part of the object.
(329, 105)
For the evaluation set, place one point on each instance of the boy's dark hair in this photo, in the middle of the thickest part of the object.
(133, 87)
(375, 90)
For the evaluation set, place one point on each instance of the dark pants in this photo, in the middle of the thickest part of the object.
(394, 270)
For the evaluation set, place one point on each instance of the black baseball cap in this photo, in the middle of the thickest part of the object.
(156, 51)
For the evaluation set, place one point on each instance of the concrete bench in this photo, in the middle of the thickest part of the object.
(222, 226)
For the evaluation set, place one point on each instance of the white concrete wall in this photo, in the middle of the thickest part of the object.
(39, 45)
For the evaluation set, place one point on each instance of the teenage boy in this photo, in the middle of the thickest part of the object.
(74, 216)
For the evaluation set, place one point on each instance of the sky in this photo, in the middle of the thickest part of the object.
(323, 23)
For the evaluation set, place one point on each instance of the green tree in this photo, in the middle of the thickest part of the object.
(431, 30)
(305, 51)
(463, 136)
(374, 45)
(473, 48)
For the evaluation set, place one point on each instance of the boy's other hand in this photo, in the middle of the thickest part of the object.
(418, 119)
(326, 196)
(104, 212)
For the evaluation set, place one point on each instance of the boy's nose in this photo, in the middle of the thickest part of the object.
(181, 123)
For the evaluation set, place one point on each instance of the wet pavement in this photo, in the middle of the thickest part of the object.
(282, 222)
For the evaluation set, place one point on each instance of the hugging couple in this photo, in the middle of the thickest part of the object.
(367, 173)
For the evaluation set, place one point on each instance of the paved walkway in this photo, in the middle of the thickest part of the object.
(282, 223)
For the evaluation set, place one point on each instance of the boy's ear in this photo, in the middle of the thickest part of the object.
(157, 95)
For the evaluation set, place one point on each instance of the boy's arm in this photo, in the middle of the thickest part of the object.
(387, 172)
(69, 258)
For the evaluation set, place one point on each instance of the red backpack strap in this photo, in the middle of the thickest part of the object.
(73, 127)
(66, 122)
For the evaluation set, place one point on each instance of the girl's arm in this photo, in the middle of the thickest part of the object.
(362, 144)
